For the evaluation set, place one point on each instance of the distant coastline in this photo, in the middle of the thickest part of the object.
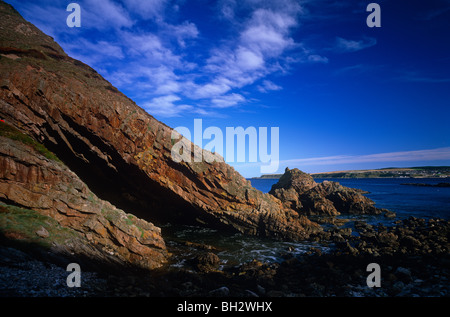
(390, 172)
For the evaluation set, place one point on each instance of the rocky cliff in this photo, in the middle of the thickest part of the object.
(121, 152)
(59, 212)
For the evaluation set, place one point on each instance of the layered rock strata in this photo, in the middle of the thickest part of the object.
(96, 229)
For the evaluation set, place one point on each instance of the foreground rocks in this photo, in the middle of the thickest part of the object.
(408, 271)
(414, 257)
(299, 191)
(412, 236)
(413, 254)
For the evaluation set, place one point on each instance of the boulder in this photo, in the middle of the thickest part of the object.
(207, 262)
(299, 191)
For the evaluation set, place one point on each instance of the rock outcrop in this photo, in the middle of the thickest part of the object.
(96, 229)
(120, 151)
(300, 192)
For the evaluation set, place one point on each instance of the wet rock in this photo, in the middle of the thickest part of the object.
(362, 226)
(275, 293)
(389, 214)
(261, 290)
(249, 293)
(398, 287)
(403, 274)
(220, 292)
(387, 238)
(347, 248)
(201, 246)
(411, 242)
(345, 232)
(337, 237)
(207, 262)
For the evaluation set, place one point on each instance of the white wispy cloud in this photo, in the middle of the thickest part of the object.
(215, 88)
(227, 101)
(343, 45)
(100, 52)
(259, 44)
(148, 9)
(404, 156)
(267, 86)
(317, 58)
(104, 15)
(166, 106)
(358, 68)
(182, 33)
(267, 33)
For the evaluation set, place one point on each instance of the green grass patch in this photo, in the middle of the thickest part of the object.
(21, 224)
(12, 133)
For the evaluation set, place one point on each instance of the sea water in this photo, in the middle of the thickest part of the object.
(389, 193)
(235, 248)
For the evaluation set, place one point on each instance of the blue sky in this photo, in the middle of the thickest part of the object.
(343, 95)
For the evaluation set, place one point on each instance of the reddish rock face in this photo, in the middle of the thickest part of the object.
(299, 181)
(103, 232)
(299, 191)
(120, 151)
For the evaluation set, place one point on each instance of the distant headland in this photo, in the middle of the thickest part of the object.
(390, 172)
